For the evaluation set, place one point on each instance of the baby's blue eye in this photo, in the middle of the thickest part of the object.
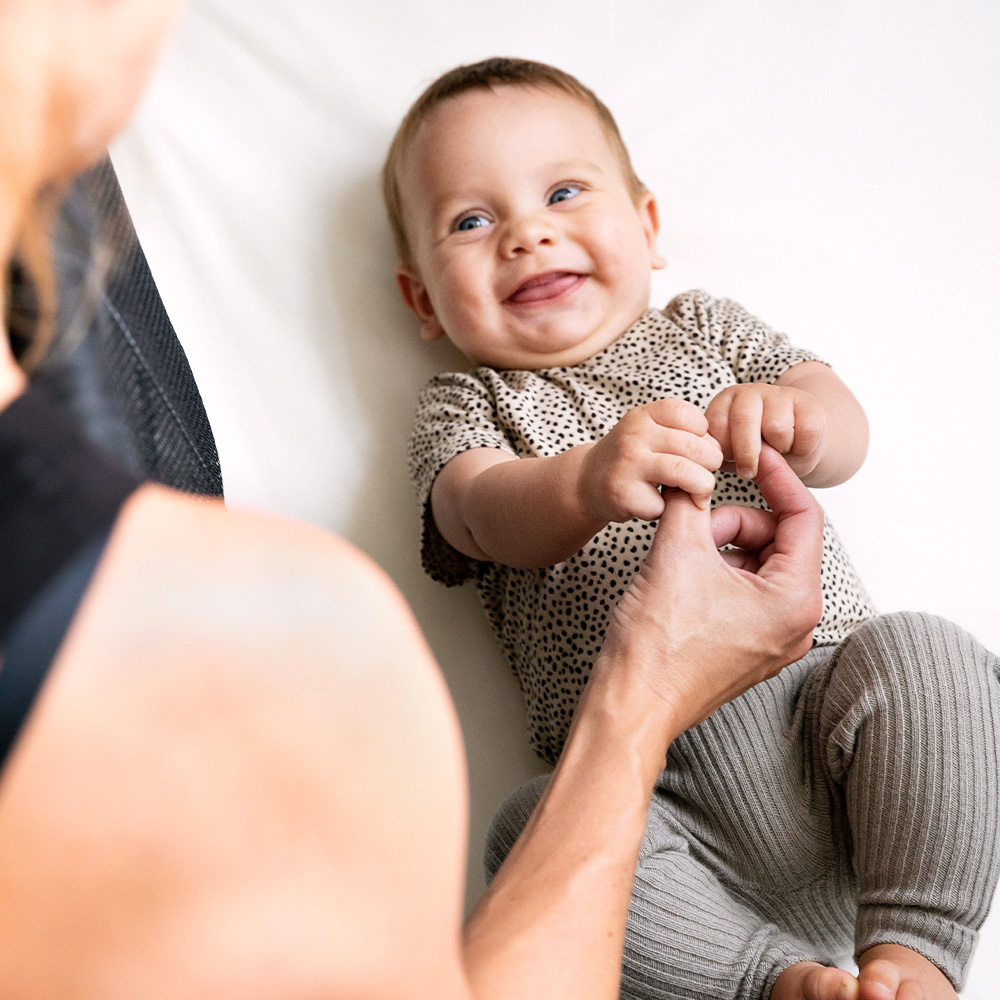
(564, 193)
(472, 222)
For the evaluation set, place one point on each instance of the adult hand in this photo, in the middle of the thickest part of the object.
(697, 628)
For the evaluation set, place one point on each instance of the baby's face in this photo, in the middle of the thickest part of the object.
(528, 248)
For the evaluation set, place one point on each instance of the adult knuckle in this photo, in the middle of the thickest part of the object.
(628, 421)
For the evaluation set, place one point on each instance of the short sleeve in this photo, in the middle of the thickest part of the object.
(455, 413)
(754, 351)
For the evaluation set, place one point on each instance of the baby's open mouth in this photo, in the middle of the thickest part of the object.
(545, 286)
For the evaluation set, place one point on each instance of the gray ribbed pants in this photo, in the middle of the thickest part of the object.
(853, 800)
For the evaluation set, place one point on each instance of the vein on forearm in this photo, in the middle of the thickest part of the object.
(556, 911)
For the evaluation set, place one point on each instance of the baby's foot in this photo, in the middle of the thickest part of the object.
(892, 972)
(812, 981)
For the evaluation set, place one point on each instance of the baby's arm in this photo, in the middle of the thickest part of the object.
(808, 415)
(529, 512)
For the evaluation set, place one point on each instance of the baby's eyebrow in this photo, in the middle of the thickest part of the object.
(443, 211)
(570, 166)
(546, 172)
(448, 200)
(453, 201)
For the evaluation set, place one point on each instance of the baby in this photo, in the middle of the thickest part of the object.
(822, 811)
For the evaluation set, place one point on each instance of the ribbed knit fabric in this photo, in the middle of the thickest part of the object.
(850, 801)
(911, 725)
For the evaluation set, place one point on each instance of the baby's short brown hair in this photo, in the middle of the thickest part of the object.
(488, 75)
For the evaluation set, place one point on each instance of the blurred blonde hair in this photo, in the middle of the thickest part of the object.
(31, 302)
(488, 75)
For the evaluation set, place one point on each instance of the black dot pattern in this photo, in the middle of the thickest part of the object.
(551, 622)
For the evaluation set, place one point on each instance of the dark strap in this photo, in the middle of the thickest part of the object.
(35, 638)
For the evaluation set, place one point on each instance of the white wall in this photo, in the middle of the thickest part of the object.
(832, 166)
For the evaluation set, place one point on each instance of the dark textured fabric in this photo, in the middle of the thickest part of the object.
(114, 403)
(117, 364)
(56, 490)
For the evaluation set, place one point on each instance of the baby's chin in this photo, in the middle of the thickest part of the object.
(534, 360)
(533, 338)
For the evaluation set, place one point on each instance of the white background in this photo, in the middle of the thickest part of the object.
(832, 166)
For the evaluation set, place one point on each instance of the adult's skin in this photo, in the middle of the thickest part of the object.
(244, 776)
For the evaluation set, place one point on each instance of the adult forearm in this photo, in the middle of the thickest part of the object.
(552, 923)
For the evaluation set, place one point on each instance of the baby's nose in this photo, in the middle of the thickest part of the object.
(527, 233)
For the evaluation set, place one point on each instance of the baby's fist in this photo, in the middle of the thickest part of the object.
(791, 420)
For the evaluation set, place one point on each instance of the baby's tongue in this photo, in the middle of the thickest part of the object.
(546, 286)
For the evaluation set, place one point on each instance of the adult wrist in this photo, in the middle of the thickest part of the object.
(628, 718)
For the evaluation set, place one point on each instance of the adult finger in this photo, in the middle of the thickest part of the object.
(744, 527)
(799, 520)
(683, 524)
(742, 559)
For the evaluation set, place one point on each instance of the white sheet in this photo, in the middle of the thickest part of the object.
(832, 166)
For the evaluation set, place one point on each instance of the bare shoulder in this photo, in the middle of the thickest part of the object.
(218, 750)
(238, 574)
(254, 604)
(240, 547)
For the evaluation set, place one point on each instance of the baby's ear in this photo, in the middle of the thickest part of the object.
(649, 216)
(415, 295)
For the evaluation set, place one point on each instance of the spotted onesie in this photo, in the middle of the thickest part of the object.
(551, 622)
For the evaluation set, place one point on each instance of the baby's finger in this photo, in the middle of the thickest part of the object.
(700, 448)
(677, 413)
(640, 499)
(778, 425)
(683, 474)
(810, 425)
(744, 433)
(718, 423)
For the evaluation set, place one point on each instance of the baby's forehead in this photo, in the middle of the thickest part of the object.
(489, 115)
(499, 96)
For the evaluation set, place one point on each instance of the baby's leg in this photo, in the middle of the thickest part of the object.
(687, 937)
(906, 716)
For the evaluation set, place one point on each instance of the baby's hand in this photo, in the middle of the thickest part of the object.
(791, 420)
(665, 443)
